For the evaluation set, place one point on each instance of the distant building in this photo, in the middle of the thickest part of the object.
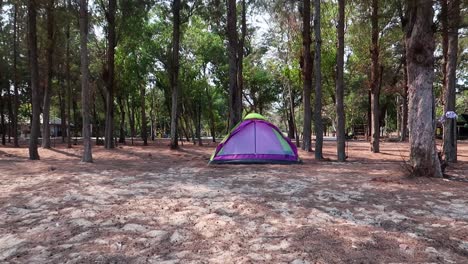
(55, 125)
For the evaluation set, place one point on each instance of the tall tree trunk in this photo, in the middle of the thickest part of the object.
(211, 114)
(420, 61)
(198, 128)
(85, 91)
(290, 118)
(375, 89)
(63, 116)
(3, 97)
(404, 110)
(47, 87)
(2, 119)
(10, 111)
(240, 59)
(67, 75)
(340, 127)
(307, 77)
(175, 72)
(450, 127)
(235, 101)
(293, 115)
(318, 84)
(152, 115)
(109, 129)
(15, 77)
(122, 120)
(144, 133)
(131, 119)
(444, 28)
(97, 128)
(34, 70)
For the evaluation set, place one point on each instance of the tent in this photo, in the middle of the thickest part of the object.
(255, 140)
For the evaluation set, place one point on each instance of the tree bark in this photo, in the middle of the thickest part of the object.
(15, 77)
(47, 87)
(444, 28)
(375, 88)
(10, 111)
(67, 74)
(318, 83)
(198, 118)
(340, 127)
(63, 116)
(290, 118)
(34, 71)
(404, 110)
(307, 77)
(122, 120)
(175, 72)
(85, 91)
(235, 102)
(109, 128)
(131, 119)
(144, 133)
(211, 114)
(420, 62)
(450, 129)
(240, 59)
(2, 120)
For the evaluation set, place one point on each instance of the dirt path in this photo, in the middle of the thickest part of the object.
(151, 205)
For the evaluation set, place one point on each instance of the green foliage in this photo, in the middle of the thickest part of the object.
(271, 68)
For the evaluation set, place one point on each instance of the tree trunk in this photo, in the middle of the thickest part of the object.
(293, 115)
(444, 28)
(48, 84)
(97, 128)
(290, 121)
(420, 61)
(340, 127)
(34, 71)
(67, 74)
(199, 116)
(122, 120)
(175, 72)
(2, 120)
(235, 102)
(211, 114)
(307, 77)
(10, 111)
(63, 117)
(404, 110)
(85, 91)
(15, 77)
(450, 128)
(375, 89)
(318, 84)
(144, 133)
(109, 129)
(131, 119)
(240, 59)
(152, 115)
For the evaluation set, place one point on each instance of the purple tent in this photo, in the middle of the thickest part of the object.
(255, 140)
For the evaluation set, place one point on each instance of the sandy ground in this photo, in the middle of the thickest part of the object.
(152, 205)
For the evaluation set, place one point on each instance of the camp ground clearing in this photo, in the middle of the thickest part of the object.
(151, 205)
